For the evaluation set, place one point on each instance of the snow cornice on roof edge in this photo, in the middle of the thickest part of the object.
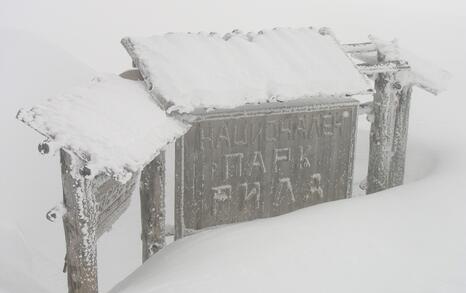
(185, 72)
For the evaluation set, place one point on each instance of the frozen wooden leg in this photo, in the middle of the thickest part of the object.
(80, 223)
(152, 193)
(397, 168)
(179, 188)
(382, 131)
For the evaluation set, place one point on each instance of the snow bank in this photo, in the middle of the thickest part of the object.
(408, 239)
(112, 123)
(187, 71)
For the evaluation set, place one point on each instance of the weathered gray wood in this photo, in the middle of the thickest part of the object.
(359, 47)
(179, 188)
(92, 206)
(388, 131)
(383, 67)
(236, 166)
(113, 199)
(152, 194)
(382, 132)
(80, 224)
(397, 168)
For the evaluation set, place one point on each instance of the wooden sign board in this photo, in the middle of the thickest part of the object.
(113, 199)
(257, 162)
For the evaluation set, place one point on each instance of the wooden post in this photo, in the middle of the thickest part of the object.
(389, 130)
(179, 188)
(152, 193)
(397, 168)
(80, 224)
(382, 133)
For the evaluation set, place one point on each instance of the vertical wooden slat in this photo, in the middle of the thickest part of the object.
(152, 194)
(179, 188)
(80, 224)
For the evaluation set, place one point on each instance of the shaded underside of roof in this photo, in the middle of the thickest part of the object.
(188, 71)
(112, 123)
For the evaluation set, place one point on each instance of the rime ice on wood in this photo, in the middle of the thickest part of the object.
(152, 195)
(263, 123)
(422, 73)
(265, 161)
(395, 72)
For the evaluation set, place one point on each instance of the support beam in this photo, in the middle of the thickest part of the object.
(389, 128)
(152, 194)
(359, 47)
(382, 132)
(383, 67)
(80, 224)
(400, 141)
(179, 188)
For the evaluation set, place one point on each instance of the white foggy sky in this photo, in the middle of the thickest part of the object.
(91, 30)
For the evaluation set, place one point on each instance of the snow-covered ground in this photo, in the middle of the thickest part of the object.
(408, 239)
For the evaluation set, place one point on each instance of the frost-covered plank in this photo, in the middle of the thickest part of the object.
(185, 72)
(383, 67)
(113, 199)
(355, 48)
(152, 193)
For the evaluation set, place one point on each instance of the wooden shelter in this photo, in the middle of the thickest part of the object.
(263, 123)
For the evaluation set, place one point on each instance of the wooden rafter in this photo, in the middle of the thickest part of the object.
(383, 67)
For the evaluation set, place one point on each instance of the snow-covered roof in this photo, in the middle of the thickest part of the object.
(422, 73)
(188, 71)
(112, 123)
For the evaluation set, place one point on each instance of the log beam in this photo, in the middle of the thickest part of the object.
(179, 188)
(400, 141)
(388, 136)
(383, 67)
(382, 132)
(152, 194)
(80, 224)
(356, 48)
